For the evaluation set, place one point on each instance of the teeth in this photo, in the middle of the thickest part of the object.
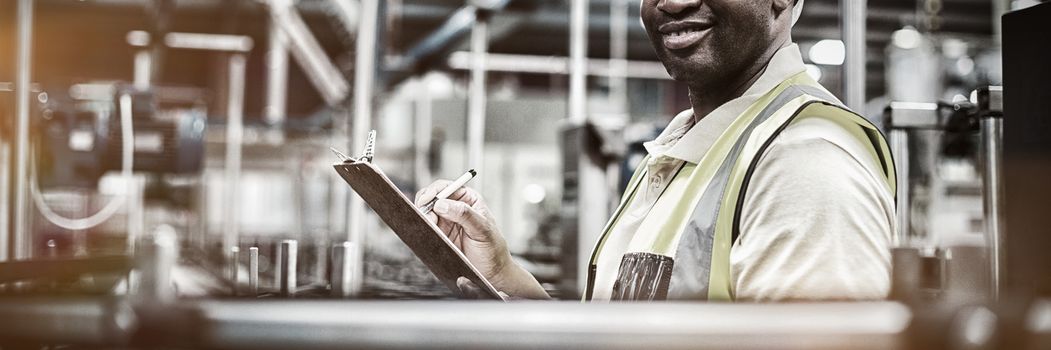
(681, 32)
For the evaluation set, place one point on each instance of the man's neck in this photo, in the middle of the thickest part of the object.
(705, 99)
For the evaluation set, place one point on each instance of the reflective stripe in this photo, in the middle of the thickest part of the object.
(693, 257)
(700, 267)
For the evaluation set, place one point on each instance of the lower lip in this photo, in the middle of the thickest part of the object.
(677, 42)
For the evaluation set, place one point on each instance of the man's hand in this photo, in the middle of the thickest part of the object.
(466, 220)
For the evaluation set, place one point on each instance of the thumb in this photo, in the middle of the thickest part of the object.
(474, 223)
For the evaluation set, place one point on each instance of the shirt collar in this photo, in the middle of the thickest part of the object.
(693, 145)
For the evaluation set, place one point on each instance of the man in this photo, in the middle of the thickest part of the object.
(766, 190)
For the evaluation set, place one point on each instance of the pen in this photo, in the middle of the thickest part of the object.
(342, 157)
(448, 190)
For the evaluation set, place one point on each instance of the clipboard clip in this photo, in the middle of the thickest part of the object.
(366, 156)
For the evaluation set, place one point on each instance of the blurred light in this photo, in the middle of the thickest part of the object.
(138, 38)
(954, 48)
(534, 193)
(959, 98)
(814, 71)
(978, 327)
(964, 65)
(828, 52)
(907, 38)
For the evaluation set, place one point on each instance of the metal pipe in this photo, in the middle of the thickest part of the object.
(618, 54)
(550, 325)
(142, 69)
(277, 67)
(514, 63)
(287, 252)
(234, 135)
(992, 128)
(342, 265)
(21, 242)
(74, 320)
(155, 259)
(578, 46)
(899, 147)
(364, 86)
(324, 75)
(476, 99)
(423, 129)
(235, 258)
(253, 270)
(852, 22)
(5, 194)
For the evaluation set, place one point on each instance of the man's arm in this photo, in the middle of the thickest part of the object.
(816, 221)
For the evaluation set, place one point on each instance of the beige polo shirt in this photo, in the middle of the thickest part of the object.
(817, 218)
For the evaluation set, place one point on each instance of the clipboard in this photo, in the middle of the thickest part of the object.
(423, 237)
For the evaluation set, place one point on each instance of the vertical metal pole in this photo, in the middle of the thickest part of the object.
(5, 197)
(899, 146)
(423, 128)
(287, 278)
(618, 55)
(342, 265)
(155, 258)
(21, 242)
(852, 22)
(578, 46)
(276, 67)
(476, 99)
(143, 69)
(253, 270)
(593, 201)
(235, 254)
(992, 128)
(364, 84)
(234, 134)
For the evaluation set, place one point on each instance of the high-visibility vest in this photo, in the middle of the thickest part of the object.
(682, 248)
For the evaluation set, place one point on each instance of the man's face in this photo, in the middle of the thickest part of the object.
(705, 43)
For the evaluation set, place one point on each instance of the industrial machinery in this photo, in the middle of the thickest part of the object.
(142, 214)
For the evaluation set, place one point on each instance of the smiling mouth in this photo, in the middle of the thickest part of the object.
(677, 36)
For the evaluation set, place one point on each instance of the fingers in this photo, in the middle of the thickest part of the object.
(428, 193)
(469, 290)
(476, 226)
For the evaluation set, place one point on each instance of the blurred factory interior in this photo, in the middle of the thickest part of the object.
(167, 181)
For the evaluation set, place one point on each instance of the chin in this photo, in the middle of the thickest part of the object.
(689, 70)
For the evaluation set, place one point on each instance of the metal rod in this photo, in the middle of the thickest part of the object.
(342, 265)
(476, 100)
(618, 54)
(21, 241)
(514, 63)
(992, 200)
(852, 22)
(548, 325)
(899, 146)
(253, 270)
(5, 194)
(235, 258)
(423, 129)
(324, 74)
(364, 86)
(578, 46)
(276, 67)
(142, 69)
(287, 252)
(234, 134)
(156, 258)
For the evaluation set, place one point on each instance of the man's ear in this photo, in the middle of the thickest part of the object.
(779, 7)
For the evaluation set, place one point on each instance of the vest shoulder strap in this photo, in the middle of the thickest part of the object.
(842, 113)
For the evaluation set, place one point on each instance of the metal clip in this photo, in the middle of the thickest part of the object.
(370, 148)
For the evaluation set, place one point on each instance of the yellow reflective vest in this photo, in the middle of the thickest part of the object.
(682, 251)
